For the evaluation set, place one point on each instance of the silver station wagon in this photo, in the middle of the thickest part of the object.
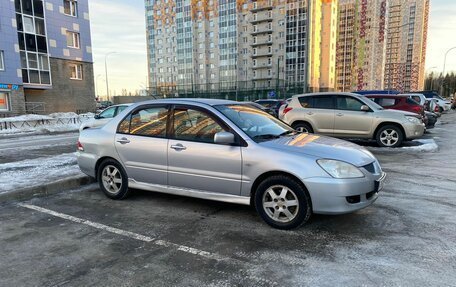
(229, 151)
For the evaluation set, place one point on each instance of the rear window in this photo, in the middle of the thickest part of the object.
(306, 102)
(385, 102)
(412, 102)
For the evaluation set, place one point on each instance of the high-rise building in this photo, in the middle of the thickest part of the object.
(406, 44)
(45, 57)
(210, 46)
(361, 44)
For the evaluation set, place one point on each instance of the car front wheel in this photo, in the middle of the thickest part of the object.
(113, 180)
(389, 136)
(302, 128)
(282, 202)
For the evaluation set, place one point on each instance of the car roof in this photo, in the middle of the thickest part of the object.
(387, 96)
(210, 102)
(327, 94)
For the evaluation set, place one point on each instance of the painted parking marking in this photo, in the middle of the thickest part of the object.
(129, 234)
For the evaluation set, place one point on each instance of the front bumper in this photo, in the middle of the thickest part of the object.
(339, 196)
(413, 131)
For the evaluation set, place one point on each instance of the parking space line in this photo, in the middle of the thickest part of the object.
(129, 234)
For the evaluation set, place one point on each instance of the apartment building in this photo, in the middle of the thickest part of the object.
(46, 57)
(240, 45)
(406, 44)
(361, 44)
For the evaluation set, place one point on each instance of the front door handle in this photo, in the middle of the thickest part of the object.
(123, 141)
(178, 147)
(310, 113)
(340, 114)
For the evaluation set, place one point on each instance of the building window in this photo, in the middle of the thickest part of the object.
(73, 39)
(76, 71)
(28, 25)
(70, 7)
(2, 62)
(4, 101)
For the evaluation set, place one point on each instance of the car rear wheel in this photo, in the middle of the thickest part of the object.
(389, 136)
(282, 202)
(303, 127)
(113, 180)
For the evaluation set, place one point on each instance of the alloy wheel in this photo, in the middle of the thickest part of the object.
(111, 179)
(389, 137)
(280, 203)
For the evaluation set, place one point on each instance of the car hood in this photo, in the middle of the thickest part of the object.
(396, 113)
(322, 147)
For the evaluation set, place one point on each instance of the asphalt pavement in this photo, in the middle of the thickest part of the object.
(81, 238)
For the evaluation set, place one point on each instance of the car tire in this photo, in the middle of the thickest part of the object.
(283, 209)
(440, 110)
(389, 136)
(113, 180)
(302, 127)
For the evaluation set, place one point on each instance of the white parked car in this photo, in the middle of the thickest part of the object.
(419, 98)
(103, 117)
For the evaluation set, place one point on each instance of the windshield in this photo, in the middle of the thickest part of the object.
(255, 123)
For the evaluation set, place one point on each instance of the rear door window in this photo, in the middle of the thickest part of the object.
(149, 121)
(323, 102)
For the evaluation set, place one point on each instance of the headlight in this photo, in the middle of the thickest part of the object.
(413, 119)
(339, 169)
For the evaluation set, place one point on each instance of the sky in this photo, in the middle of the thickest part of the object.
(119, 26)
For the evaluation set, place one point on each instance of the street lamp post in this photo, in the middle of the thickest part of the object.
(443, 71)
(106, 72)
(431, 86)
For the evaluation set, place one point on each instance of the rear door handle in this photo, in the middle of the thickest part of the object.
(340, 114)
(123, 141)
(310, 113)
(178, 147)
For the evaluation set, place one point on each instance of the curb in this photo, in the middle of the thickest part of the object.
(47, 189)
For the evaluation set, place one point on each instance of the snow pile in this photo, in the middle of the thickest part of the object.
(35, 172)
(428, 145)
(23, 118)
(37, 124)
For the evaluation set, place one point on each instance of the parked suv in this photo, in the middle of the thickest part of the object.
(348, 115)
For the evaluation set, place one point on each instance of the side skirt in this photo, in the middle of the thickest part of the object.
(244, 200)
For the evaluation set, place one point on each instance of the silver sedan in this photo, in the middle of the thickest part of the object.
(232, 152)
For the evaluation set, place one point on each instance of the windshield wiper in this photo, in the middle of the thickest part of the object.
(266, 137)
(287, 133)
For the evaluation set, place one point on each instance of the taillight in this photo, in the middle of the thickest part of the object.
(287, 109)
(436, 109)
(79, 146)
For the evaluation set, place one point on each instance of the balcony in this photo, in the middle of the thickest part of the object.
(262, 77)
(262, 31)
(260, 43)
(262, 54)
(262, 18)
(263, 6)
(262, 66)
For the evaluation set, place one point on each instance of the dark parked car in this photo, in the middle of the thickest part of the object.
(271, 104)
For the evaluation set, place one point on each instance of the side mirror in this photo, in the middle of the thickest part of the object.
(365, 108)
(224, 138)
(97, 117)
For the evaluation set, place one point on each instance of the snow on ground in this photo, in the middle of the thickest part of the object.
(35, 172)
(418, 145)
(56, 122)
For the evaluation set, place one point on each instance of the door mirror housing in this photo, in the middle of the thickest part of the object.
(97, 117)
(224, 138)
(365, 108)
